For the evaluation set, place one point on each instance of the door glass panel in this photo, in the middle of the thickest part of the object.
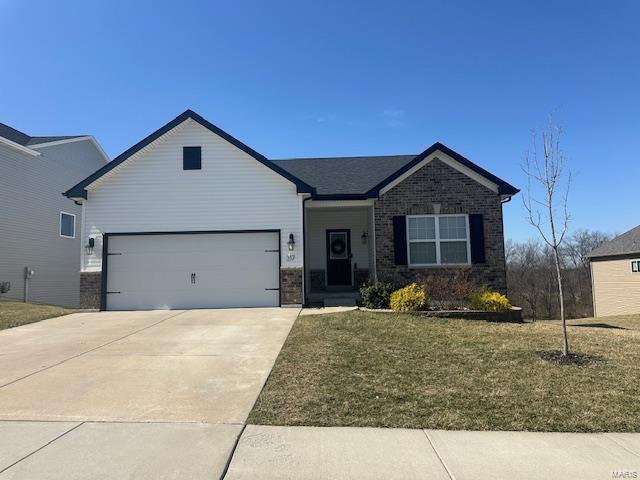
(338, 246)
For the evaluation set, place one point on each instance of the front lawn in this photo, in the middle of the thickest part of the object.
(393, 370)
(14, 314)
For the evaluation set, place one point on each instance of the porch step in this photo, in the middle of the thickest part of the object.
(340, 302)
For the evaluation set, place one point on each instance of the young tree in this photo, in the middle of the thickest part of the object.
(546, 200)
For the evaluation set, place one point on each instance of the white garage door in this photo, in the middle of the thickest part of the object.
(204, 270)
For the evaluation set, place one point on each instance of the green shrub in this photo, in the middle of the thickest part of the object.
(409, 299)
(489, 301)
(376, 294)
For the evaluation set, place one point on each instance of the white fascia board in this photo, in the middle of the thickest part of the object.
(90, 138)
(20, 148)
(443, 157)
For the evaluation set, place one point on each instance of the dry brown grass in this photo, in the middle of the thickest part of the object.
(395, 370)
(14, 314)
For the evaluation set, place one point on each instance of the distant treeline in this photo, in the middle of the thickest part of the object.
(532, 281)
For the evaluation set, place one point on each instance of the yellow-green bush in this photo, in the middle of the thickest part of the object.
(409, 299)
(489, 301)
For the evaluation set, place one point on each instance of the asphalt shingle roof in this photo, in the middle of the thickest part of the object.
(324, 178)
(25, 140)
(344, 175)
(626, 244)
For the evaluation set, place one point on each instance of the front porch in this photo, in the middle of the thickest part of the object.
(339, 250)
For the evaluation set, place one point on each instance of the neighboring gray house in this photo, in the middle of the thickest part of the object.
(192, 217)
(40, 228)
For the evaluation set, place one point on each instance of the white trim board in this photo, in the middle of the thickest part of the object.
(19, 147)
(77, 139)
(443, 157)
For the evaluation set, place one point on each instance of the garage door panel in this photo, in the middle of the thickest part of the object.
(155, 271)
(222, 259)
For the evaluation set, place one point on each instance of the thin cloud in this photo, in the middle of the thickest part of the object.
(331, 117)
(394, 117)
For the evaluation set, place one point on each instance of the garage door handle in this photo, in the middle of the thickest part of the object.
(108, 293)
(193, 278)
(272, 289)
(272, 251)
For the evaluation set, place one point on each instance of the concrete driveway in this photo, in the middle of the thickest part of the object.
(161, 394)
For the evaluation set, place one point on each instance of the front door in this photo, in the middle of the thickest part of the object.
(338, 257)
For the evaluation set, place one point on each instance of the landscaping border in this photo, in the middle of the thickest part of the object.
(509, 316)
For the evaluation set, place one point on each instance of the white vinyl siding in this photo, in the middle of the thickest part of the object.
(31, 197)
(151, 192)
(438, 240)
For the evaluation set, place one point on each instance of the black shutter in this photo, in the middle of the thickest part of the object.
(476, 231)
(400, 240)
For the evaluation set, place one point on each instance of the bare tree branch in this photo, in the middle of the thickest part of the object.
(549, 213)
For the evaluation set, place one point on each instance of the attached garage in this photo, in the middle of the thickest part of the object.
(150, 271)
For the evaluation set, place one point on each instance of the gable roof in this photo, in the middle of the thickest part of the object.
(626, 244)
(325, 178)
(365, 177)
(79, 190)
(504, 188)
(25, 140)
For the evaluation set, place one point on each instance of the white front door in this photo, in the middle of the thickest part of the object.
(201, 270)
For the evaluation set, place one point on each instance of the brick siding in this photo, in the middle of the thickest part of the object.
(438, 183)
(90, 287)
(291, 286)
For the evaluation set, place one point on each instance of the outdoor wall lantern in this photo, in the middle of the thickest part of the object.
(364, 237)
(291, 243)
(88, 248)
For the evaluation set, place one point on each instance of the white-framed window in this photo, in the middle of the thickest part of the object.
(438, 240)
(635, 266)
(67, 225)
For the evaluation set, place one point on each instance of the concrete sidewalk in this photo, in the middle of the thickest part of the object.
(267, 452)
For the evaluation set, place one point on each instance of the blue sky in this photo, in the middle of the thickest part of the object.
(308, 78)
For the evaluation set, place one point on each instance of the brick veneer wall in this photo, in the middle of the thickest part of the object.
(291, 286)
(90, 287)
(437, 182)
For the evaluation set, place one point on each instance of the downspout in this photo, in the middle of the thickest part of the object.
(504, 251)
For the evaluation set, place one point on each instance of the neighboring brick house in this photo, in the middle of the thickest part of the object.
(192, 217)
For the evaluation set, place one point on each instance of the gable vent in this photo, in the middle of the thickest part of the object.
(191, 158)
